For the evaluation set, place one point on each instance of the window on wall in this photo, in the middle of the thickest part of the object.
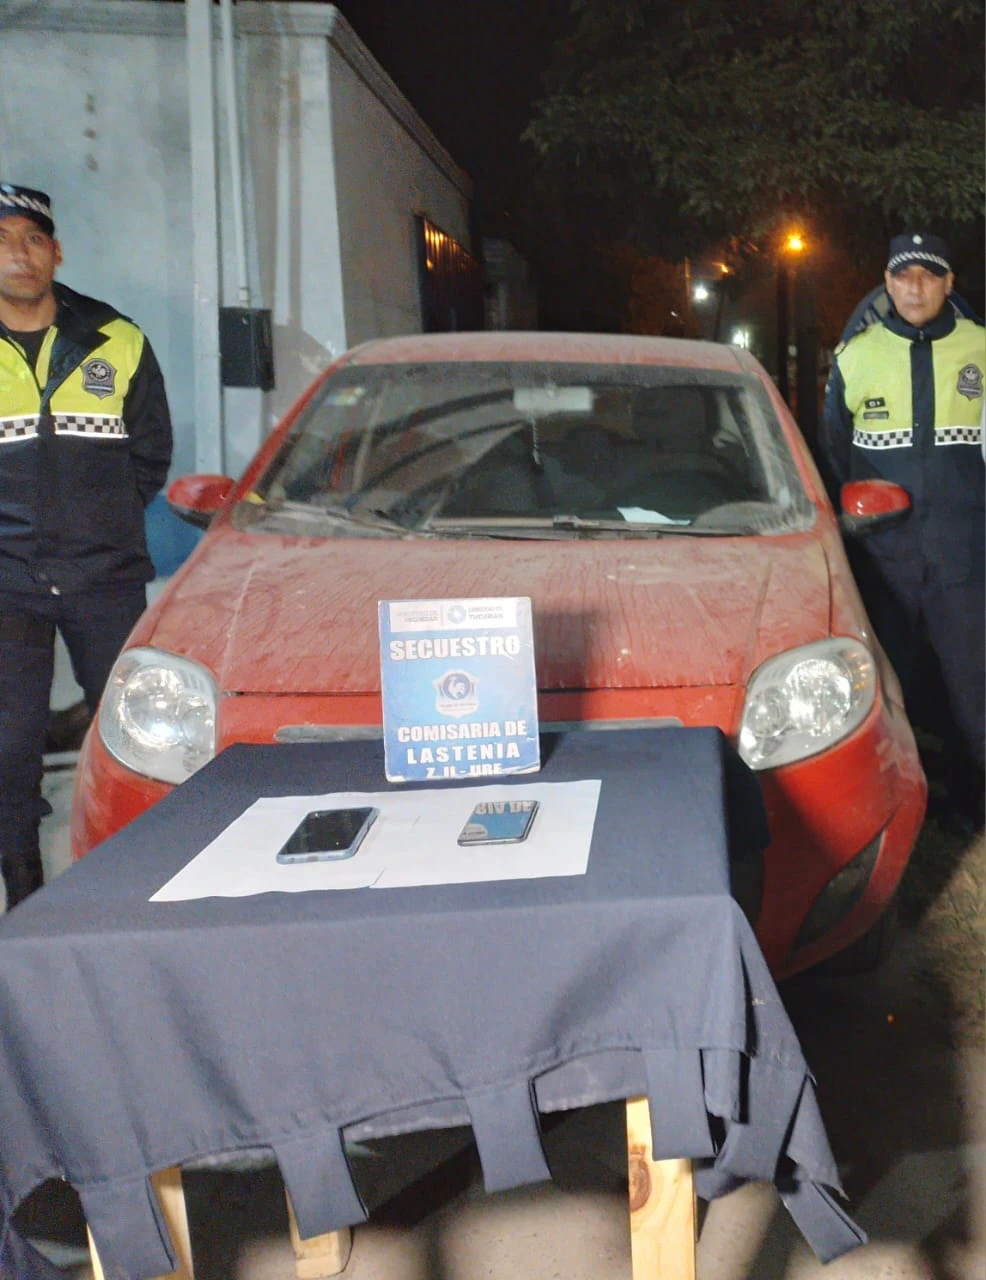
(450, 281)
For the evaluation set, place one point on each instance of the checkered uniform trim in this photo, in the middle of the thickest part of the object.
(958, 435)
(901, 439)
(100, 426)
(915, 255)
(16, 201)
(13, 429)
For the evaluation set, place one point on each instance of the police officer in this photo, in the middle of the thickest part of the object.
(85, 443)
(904, 403)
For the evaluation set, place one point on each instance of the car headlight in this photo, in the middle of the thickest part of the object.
(803, 701)
(158, 714)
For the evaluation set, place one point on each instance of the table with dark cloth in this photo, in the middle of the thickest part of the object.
(136, 1036)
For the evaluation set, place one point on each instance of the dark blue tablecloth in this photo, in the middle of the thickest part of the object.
(137, 1035)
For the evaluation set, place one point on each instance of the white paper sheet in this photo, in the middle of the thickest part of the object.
(412, 842)
(644, 515)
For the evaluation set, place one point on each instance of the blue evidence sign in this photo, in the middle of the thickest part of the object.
(459, 688)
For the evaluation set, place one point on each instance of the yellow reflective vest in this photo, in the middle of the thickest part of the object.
(89, 400)
(877, 370)
(906, 405)
(85, 443)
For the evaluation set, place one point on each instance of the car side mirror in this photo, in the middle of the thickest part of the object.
(198, 498)
(868, 505)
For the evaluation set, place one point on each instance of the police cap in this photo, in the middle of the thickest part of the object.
(918, 249)
(25, 202)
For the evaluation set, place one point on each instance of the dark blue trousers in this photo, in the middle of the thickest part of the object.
(911, 604)
(94, 625)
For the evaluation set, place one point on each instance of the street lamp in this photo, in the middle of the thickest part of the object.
(704, 290)
(792, 245)
(794, 250)
(720, 300)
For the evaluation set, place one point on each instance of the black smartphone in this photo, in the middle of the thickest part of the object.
(499, 822)
(327, 835)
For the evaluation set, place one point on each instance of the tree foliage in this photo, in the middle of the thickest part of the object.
(721, 117)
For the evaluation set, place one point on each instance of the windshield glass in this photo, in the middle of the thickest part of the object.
(528, 449)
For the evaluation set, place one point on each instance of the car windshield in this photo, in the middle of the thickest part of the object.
(533, 450)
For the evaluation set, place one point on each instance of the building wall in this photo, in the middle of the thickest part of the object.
(387, 170)
(336, 164)
(111, 148)
(291, 218)
(511, 300)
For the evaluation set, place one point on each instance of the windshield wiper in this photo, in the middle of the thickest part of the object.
(378, 521)
(543, 526)
(516, 527)
(639, 528)
(566, 521)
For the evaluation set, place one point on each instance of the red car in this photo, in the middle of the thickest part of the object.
(653, 498)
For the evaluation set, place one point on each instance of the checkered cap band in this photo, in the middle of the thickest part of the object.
(88, 424)
(18, 200)
(915, 255)
(18, 429)
(900, 439)
(958, 435)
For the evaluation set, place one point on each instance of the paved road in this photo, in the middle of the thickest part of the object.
(899, 1062)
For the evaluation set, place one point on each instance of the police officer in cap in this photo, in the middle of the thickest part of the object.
(85, 444)
(905, 403)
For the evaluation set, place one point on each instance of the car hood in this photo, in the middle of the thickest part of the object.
(270, 614)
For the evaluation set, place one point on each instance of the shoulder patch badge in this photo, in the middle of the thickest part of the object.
(876, 402)
(970, 383)
(98, 377)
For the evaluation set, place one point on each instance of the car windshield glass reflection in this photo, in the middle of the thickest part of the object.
(536, 450)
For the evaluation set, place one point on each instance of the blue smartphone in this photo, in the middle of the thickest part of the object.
(499, 822)
(327, 835)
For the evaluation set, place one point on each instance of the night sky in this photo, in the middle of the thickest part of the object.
(471, 70)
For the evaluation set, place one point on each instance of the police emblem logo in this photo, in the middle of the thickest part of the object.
(455, 694)
(970, 382)
(98, 377)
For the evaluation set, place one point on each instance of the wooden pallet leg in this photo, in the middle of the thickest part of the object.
(319, 1256)
(168, 1186)
(662, 1205)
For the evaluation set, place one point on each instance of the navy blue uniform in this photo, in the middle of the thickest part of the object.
(906, 405)
(85, 443)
